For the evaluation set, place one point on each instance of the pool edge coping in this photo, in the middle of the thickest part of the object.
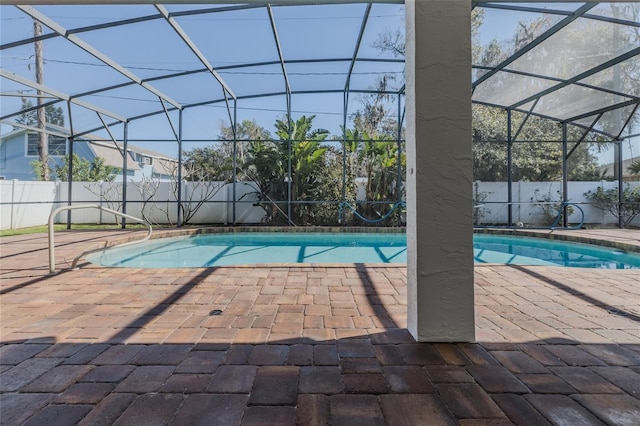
(552, 234)
(542, 234)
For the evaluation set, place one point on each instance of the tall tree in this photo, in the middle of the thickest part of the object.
(53, 115)
(215, 162)
(582, 45)
(376, 118)
(246, 131)
(207, 164)
(536, 159)
(394, 41)
(536, 154)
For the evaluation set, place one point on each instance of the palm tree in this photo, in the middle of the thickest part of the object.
(291, 163)
(376, 160)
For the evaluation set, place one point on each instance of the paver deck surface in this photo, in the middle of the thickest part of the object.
(306, 345)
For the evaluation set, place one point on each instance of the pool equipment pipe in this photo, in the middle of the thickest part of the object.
(396, 205)
(561, 212)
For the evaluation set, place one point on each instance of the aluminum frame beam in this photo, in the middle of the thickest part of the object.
(546, 35)
(558, 120)
(231, 5)
(33, 108)
(518, 8)
(559, 80)
(59, 95)
(354, 57)
(252, 2)
(35, 129)
(60, 30)
(584, 135)
(276, 38)
(187, 40)
(628, 120)
(125, 22)
(619, 105)
(581, 76)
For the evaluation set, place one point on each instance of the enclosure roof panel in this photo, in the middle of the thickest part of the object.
(563, 61)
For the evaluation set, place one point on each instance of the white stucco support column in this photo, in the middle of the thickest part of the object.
(439, 171)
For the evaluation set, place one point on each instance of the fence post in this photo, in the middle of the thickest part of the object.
(519, 201)
(100, 201)
(604, 214)
(225, 202)
(13, 201)
(57, 202)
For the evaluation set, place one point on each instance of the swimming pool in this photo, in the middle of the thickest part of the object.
(224, 249)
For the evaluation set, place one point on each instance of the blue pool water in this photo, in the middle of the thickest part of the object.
(207, 250)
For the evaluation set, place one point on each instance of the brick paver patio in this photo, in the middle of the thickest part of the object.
(306, 345)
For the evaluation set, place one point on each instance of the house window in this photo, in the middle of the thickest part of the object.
(57, 145)
(145, 160)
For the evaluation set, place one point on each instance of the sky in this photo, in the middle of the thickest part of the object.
(231, 38)
(304, 32)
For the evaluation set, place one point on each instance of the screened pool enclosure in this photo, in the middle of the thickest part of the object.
(293, 113)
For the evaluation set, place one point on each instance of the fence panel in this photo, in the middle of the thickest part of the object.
(24, 204)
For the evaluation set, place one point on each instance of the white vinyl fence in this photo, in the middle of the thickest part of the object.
(529, 198)
(157, 203)
(24, 203)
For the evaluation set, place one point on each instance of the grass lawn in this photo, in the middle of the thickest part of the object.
(62, 227)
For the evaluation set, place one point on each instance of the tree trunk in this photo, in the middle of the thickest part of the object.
(43, 142)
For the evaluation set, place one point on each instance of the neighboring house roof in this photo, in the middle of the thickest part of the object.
(165, 167)
(161, 164)
(21, 129)
(112, 156)
(149, 152)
